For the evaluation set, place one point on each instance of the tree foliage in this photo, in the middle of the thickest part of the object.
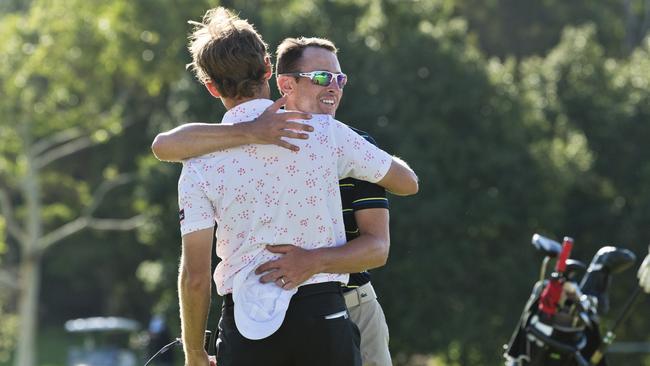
(549, 137)
(525, 28)
(70, 83)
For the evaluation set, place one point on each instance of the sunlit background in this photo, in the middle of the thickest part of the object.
(519, 116)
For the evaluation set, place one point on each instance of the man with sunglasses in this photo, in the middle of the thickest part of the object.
(317, 91)
(310, 74)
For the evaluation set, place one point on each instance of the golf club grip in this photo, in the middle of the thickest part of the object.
(596, 357)
(567, 246)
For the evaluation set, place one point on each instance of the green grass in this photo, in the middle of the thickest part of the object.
(52, 344)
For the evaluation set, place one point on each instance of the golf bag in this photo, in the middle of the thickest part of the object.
(560, 323)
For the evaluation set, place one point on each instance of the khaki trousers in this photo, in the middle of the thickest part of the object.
(367, 314)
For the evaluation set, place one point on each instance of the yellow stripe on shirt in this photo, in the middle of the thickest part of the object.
(370, 199)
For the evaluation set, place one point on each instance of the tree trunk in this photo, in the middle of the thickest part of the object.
(30, 271)
(30, 261)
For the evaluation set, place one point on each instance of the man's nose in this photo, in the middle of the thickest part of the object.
(334, 87)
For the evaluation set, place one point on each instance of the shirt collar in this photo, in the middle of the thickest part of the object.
(246, 111)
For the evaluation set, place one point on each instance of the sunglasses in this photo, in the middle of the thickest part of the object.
(323, 78)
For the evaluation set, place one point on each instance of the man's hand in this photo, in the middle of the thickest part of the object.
(270, 127)
(198, 358)
(295, 266)
(644, 274)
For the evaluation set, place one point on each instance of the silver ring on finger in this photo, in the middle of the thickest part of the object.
(283, 281)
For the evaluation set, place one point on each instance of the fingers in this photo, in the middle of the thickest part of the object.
(279, 248)
(285, 283)
(268, 266)
(280, 279)
(273, 108)
(274, 264)
(295, 115)
(272, 276)
(294, 135)
(287, 145)
(297, 126)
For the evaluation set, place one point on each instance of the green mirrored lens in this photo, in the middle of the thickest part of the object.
(322, 79)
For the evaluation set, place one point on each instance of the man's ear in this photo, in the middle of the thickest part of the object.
(212, 89)
(268, 66)
(286, 84)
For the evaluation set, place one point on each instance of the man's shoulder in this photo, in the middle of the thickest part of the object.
(365, 135)
(361, 133)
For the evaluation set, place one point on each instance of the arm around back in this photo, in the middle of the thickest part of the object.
(400, 179)
(369, 250)
(195, 139)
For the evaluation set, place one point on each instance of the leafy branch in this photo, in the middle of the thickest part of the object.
(86, 220)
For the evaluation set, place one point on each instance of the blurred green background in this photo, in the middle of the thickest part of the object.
(519, 116)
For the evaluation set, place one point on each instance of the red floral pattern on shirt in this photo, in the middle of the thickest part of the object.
(264, 194)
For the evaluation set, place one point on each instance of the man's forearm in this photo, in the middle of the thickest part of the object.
(296, 265)
(195, 139)
(368, 251)
(194, 296)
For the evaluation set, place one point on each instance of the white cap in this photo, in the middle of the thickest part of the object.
(259, 307)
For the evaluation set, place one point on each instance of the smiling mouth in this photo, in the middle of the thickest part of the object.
(328, 101)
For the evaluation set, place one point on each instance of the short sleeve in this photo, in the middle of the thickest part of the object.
(358, 158)
(195, 209)
(368, 195)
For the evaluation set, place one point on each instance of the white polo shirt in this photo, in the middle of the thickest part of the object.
(265, 194)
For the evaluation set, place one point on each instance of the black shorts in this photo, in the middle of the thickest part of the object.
(306, 337)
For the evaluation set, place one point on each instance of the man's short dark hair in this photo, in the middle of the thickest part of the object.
(228, 52)
(290, 51)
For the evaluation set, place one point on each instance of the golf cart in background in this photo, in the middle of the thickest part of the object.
(105, 341)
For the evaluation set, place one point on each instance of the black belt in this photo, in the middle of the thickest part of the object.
(304, 290)
(349, 287)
